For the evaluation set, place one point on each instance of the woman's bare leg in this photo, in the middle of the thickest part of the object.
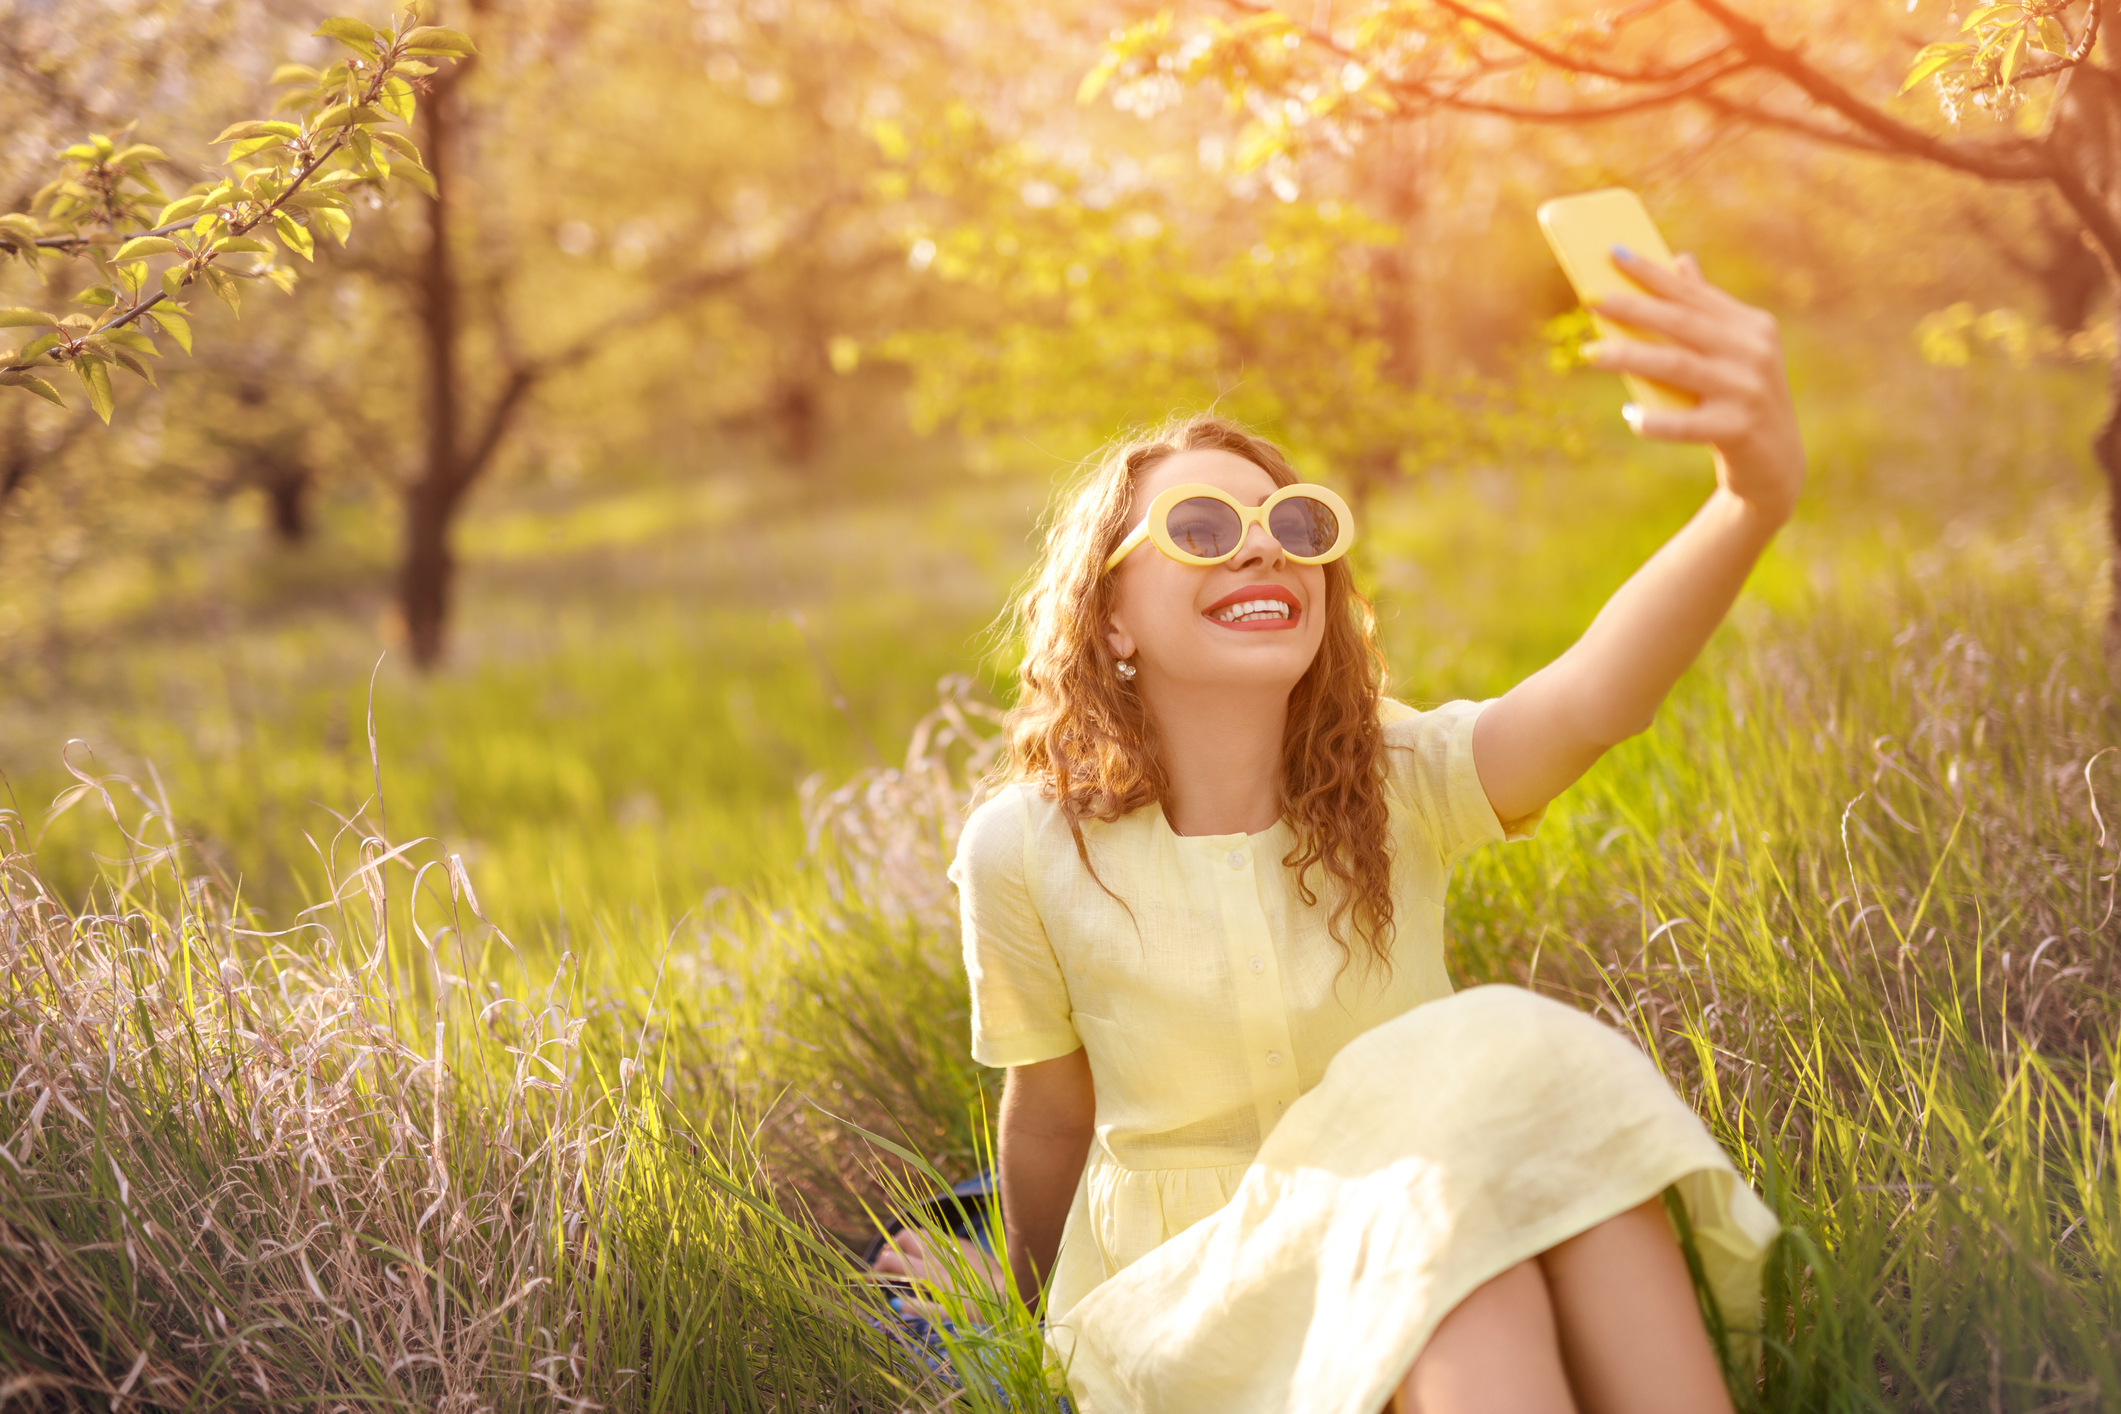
(1631, 1330)
(1498, 1352)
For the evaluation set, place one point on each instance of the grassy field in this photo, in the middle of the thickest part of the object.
(558, 1105)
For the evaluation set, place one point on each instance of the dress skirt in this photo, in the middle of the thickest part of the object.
(1439, 1150)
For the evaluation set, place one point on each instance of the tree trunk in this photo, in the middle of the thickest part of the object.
(2106, 447)
(427, 567)
(1396, 192)
(286, 486)
(2069, 272)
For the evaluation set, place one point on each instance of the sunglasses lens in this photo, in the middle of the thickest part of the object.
(1204, 527)
(1304, 526)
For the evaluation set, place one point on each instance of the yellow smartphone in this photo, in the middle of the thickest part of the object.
(1583, 229)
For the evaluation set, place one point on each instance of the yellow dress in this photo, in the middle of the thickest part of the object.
(1299, 1168)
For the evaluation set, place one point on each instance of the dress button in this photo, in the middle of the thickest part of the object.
(1258, 964)
(1237, 859)
(1274, 1058)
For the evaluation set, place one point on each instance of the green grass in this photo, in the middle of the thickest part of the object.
(581, 1119)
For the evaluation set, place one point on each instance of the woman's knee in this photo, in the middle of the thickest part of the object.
(1499, 1348)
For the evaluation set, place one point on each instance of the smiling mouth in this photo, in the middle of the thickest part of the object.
(1252, 611)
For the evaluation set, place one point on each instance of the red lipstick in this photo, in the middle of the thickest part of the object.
(1263, 607)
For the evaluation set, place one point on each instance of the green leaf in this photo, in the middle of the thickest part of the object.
(250, 244)
(25, 318)
(35, 384)
(173, 280)
(38, 347)
(1932, 59)
(433, 39)
(133, 365)
(396, 99)
(252, 145)
(94, 374)
(80, 152)
(346, 113)
(408, 170)
(399, 143)
(97, 297)
(141, 247)
(181, 208)
(299, 241)
(140, 152)
(173, 324)
(238, 132)
(219, 281)
(293, 73)
(130, 337)
(2013, 54)
(284, 277)
(355, 35)
(336, 222)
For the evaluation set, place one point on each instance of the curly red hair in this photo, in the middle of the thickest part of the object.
(1083, 736)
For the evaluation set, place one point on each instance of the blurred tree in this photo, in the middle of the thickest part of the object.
(755, 224)
(1079, 309)
(296, 185)
(2043, 77)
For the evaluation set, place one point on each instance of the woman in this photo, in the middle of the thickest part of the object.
(1253, 1151)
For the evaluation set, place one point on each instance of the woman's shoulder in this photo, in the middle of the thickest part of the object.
(1024, 826)
(1426, 749)
(1009, 821)
(1406, 726)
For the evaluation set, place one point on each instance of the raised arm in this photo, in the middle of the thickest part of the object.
(1550, 728)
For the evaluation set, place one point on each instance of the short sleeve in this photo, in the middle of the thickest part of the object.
(1020, 1009)
(1429, 765)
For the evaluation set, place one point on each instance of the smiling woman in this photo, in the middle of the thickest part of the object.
(1254, 1153)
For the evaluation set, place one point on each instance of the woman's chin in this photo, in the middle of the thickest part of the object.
(1255, 664)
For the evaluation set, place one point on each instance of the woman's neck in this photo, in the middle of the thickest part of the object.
(1221, 750)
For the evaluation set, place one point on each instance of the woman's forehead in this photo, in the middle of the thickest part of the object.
(1226, 471)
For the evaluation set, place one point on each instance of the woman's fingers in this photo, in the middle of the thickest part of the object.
(1681, 281)
(1711, 422)
(1695, 327)
(1670, 363)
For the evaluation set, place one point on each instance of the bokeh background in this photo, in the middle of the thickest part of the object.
(782, 320)
(767, 329)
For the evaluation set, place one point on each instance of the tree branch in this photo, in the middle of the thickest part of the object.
(2015, 160)
(1586, 113)
(1758, 116)
(525, 375)
(1561, 59)
(385, 68)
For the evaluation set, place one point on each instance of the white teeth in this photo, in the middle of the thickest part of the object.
(1254, 609)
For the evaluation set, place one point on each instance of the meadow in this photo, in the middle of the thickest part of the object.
(556, 1051)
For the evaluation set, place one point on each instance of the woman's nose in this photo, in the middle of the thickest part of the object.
(1260, 548)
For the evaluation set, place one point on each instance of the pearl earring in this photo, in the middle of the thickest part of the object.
(1126, 670)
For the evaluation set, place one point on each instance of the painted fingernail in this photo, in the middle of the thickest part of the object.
(1631, 414)
(1623, 252)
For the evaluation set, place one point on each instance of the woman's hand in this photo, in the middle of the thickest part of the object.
(1727, 353)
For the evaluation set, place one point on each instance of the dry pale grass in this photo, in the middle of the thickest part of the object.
(339, 1166)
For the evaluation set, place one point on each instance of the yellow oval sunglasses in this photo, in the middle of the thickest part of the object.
(1197, 524)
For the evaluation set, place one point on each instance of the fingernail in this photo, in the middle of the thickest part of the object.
(1593, 350)
(1631, 414)
(1623, 252)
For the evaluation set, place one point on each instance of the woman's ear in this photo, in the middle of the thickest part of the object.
(1118, 639)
